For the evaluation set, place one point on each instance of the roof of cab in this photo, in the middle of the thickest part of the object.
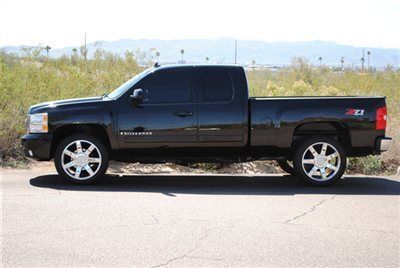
(178, 66)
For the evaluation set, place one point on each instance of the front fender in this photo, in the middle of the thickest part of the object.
(94, 115)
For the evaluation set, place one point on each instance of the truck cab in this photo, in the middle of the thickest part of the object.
(183, 106)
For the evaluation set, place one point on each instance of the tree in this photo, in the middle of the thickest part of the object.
(320, 61)
(302, 69)
(342, 62)
(182, 52)
(368, 55)
(207, 59)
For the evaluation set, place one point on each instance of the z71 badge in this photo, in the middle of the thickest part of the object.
(355, 112)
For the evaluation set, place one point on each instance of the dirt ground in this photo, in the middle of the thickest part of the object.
(168, 168)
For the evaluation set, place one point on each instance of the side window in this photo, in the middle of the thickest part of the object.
(172, 86)
(216, 85)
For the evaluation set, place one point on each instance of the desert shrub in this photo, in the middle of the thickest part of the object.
(369, 165)
(208, 167)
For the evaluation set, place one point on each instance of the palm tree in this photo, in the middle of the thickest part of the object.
(182, 52)
(157, 55)
(320, 61)
(363, 60)
(253, 63)
(362, 63)
(74, 56)
(342, 62)
(47, 48)
(207, 59)
(368, 54)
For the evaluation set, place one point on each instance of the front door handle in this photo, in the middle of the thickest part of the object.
(183, 113)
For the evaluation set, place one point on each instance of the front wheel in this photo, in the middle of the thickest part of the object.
(320, 161)
(81, 159)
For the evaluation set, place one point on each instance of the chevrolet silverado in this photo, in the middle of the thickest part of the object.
(203, 113)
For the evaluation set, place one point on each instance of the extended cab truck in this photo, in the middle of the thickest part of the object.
(202, 113)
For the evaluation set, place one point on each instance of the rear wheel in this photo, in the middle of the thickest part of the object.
(286, 166)
(320, 161)
(81, 159)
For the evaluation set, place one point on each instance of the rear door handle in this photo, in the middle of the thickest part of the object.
(183, 113)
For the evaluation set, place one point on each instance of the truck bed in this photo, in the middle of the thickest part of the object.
(275, 120)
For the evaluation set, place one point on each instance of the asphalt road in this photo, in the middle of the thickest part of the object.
(199, 220)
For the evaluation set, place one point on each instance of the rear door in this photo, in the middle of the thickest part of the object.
(168, 116)
(220, 108)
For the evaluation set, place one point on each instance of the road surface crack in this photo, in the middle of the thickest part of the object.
(169, 261)
(196, 246)
(313, 208)
(183, 257)
(154, 222)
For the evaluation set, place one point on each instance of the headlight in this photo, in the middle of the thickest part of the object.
(37, 123)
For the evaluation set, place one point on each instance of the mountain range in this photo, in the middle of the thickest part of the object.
(223, 51)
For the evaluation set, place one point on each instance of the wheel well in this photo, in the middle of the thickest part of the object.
(91, 129)
(335, 130)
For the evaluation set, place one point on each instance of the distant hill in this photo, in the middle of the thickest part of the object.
(222, 51)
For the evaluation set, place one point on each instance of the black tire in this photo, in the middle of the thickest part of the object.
(99, 153)
(321, 166)
(286, 166)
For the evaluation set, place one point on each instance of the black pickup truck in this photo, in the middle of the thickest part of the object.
(203, 113)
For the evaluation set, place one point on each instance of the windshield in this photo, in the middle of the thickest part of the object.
(128, 84)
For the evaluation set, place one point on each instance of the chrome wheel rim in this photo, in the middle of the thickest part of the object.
(321, 161)
(81, 159)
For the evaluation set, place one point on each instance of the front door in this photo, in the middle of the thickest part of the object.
(168, 116)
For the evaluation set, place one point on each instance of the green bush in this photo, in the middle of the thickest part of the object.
(370, 165)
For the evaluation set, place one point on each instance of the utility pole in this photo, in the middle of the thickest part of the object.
(47, 48)
(85, 47)
(235, 51)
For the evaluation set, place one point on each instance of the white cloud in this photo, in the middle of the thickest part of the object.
(63, 23)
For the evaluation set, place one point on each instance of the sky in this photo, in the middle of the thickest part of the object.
(61, 23)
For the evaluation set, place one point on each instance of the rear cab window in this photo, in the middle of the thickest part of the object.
(216, 85)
